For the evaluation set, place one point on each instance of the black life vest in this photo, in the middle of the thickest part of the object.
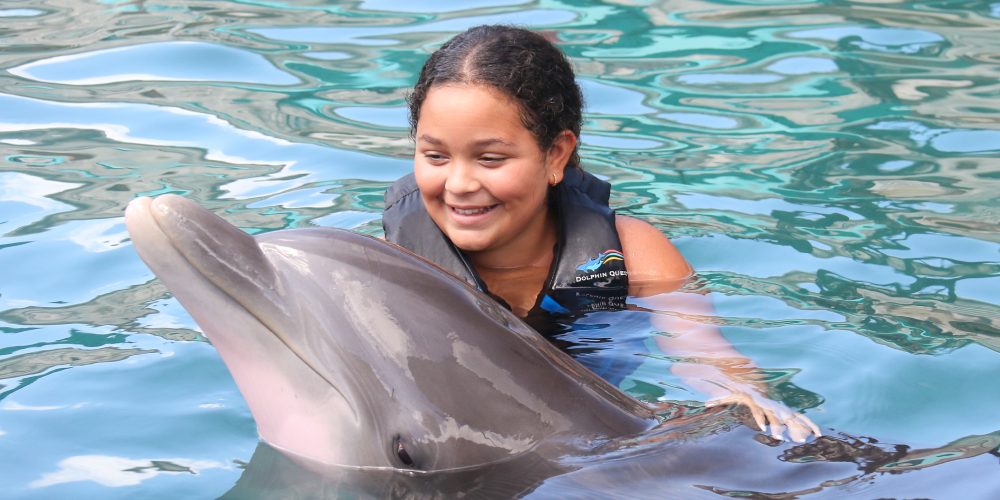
(588, 272)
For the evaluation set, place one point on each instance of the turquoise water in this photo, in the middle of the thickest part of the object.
(830, 168)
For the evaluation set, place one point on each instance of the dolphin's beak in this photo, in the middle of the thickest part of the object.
(223, 254)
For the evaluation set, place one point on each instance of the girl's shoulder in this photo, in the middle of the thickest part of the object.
(654, 264)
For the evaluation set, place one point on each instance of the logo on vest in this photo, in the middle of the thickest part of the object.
(591, 268)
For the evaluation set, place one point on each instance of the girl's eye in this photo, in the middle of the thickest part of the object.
(434, 157)
(491, 160)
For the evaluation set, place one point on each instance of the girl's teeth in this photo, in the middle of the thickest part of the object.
(472, 211)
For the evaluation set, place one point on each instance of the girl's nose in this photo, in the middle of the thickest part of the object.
(462, 179)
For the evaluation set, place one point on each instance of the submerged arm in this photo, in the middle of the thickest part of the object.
(709, 363)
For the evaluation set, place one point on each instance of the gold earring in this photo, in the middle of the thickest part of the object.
(554, 181)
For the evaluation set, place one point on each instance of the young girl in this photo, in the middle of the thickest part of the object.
(498, 198)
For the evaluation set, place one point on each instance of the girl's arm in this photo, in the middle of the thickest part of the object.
(715, 368)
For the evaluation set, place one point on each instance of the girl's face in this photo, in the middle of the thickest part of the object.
(481, 174)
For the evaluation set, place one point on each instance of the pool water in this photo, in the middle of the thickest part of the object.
(830, 168)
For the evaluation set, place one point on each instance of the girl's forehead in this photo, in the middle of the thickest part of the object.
(470, 110)
(475, 90)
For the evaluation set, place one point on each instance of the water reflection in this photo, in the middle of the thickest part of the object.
(165, 61)
(606, 99)
(391, 34)
(115, 472)
(20, 12)
(289, 165)
(439, 6)
(133, 309)
(26, 198)
(23, 365)
(901, 40)
(945, 140)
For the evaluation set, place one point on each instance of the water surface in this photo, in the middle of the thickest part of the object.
(829, 167)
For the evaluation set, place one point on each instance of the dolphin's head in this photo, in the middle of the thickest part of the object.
(351, 351)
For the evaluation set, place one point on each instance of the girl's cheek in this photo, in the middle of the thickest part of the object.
(429, 180)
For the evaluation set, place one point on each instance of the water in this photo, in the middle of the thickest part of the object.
(830, 168)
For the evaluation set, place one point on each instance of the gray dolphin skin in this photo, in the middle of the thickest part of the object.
(350, 351)
(372, 373)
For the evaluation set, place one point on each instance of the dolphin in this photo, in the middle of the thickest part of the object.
(372, 372)
(351, 351)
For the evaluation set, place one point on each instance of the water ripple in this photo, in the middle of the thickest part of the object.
(164, 61)
(390, 35)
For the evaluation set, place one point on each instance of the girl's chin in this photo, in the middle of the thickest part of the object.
(469, 242)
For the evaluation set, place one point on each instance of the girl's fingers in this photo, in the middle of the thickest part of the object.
(758, 416)
(800, 427)
(777, 426)
(797, 431)
(797, 425)
(809, 423)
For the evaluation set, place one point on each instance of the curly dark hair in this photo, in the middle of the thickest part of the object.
(521, 64)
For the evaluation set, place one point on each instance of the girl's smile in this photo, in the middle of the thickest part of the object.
(471, 214)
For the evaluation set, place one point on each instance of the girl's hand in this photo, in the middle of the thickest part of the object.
(767, 412)
(708, 363)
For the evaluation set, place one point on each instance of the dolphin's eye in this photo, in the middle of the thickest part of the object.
(400, 450)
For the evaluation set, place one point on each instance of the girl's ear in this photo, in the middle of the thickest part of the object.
(558, 155)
